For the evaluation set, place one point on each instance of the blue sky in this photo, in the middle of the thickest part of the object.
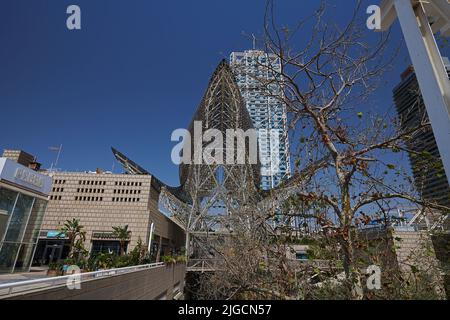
(135, 72)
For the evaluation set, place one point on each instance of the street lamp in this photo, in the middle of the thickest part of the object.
(431, 73)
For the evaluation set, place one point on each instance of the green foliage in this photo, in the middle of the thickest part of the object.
(76, 234)
(168, 259)
(172, 259)
(54, 266)
(123, 234)
(181, 259)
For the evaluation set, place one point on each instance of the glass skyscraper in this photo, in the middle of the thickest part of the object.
(256, 72)
(430, 181)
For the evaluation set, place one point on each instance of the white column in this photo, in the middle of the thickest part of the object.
(430, 73)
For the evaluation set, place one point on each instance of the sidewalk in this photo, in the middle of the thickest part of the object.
(35, 273)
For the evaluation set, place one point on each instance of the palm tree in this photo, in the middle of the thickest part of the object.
(123, 235)
(73, 230)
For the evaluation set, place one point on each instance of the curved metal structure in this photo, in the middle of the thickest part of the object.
(211, 196)
(216, 192)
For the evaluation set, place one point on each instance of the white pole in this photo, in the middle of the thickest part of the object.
(57, 157)
(429, 69)
(150, 238)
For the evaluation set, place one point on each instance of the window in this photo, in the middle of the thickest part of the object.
(302, 256)
(106, 246)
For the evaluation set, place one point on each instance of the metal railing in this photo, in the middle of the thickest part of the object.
(203, 265)
(8, 289)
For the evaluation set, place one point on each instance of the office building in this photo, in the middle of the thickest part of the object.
(101, 201)
(253, 70)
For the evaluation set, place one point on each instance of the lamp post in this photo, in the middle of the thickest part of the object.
(427, 61)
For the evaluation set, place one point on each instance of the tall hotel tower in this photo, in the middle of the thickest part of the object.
(252, 69)
(433, 185)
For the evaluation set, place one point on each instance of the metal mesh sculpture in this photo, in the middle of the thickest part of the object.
(213, 198)
(216, 192)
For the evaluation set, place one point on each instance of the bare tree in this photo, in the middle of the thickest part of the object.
(350, 152)
(348, 172)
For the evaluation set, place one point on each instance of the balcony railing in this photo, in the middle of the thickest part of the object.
(52, 282)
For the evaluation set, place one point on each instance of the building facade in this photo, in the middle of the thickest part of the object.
(23, 200)
(19, 156)
(430, 180)
(254, 68)
(101, 201)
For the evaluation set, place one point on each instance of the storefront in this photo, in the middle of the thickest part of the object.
(54, 248)
(23, 200)
(106, 241)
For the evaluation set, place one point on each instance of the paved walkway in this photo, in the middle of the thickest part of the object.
(35, 273)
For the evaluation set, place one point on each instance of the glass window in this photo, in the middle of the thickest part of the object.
(7, 201)
(23, 262)
(35, 221)
(106, 246)
(19, 218)
(8, 254)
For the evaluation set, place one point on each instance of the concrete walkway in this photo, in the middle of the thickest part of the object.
(35, 273)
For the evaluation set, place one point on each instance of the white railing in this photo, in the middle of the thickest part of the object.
(203, 265)
(51, 282)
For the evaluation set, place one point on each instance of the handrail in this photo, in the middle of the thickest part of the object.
(81, 277)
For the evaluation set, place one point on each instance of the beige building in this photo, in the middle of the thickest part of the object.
(19, 156)
(102, 201)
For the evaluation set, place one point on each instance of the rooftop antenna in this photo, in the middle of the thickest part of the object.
(55, 149)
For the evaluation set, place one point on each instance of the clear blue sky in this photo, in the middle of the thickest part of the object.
(135, 72)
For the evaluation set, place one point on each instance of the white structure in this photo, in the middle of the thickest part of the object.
(268, 114)
(420, 20)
